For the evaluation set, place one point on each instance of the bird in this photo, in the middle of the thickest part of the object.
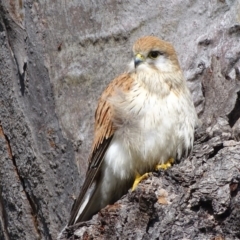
(145, 120)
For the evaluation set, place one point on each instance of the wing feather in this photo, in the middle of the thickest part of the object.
(103, 134)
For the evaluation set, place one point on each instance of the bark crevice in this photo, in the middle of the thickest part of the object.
(34, 210)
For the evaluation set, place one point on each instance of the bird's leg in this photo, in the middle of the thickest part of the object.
(165, 165)
(138, 179)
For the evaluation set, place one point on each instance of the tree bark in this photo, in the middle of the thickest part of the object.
(56, 57)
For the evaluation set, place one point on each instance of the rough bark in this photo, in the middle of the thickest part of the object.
(56, 57)
(195, 199)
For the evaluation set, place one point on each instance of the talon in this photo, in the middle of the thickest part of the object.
(166, 165)
(138, 179)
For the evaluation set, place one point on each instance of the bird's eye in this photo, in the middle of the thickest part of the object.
(154, 54)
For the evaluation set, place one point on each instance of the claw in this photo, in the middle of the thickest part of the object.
(138, 179)
(166, 165)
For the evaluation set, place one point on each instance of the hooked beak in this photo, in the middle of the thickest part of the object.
(138, 59)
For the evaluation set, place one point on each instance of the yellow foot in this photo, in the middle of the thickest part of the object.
(166, 165)
(138, 179)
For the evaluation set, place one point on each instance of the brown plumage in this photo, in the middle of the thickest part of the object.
(103, 133)
(104, 127)
(144, 117)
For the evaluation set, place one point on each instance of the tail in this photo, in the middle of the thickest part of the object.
(89, 199)
(86, 205)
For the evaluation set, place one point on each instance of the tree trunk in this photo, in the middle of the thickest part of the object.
(56, 57)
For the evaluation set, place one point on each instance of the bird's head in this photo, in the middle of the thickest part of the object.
(153, 53)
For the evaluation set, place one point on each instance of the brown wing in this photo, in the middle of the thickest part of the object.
(104, 128)
(103, 134)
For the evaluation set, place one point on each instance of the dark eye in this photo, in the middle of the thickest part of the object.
(154, 54)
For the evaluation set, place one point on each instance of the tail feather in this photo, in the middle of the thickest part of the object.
(85, 206)
(86, 209)
(82, 211)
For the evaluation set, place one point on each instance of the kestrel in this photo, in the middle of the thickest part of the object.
(145, 118)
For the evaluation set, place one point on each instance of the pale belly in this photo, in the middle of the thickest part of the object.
(140, 151)
(161, 131)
